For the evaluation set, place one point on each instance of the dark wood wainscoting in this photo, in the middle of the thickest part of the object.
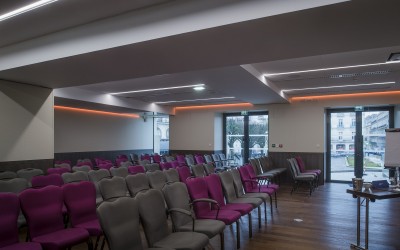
(43, 164)
(192, 152)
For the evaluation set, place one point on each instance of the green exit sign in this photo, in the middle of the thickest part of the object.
(244, 112)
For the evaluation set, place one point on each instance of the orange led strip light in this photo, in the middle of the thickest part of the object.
(96, 112)
(300, 98)
(213, 106)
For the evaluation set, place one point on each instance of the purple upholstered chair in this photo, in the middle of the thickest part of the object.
(176, 164)
(47, 180)
(105, 165)
(199, 159)
(43, 212)
(165, 165)
(9, 211)
(58, 171)
(80, 199)
(302, 167)
(136, 169)
(85, 162)
(156, 158)
(184, 173)
(181, 160)
(145, 157)
(254, 176)
(215, 192)
(198, 191)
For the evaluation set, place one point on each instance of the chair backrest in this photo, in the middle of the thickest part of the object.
(189, 158)
(292, 168)
(121, 172)
(216, 160)
(157, 179)
(215, 188)
(176, 196)
(80, 200)
(64, 165)
(85, 162)
(156, 158)
(9, 211)
(237, 182)
(172, 175)
(209, 168)
(16, 185)
(113, 188)
(46, 180)
(119, 221)
(28, 173)
(198, 170)
(7, 175)
(295, 166)
(184, 173)
(59, 162)
(153, 216)
(176, 164)
(266, 163)
(227, 186)
(145, 157)
(126, 164)
(208, 159)
(197, 188)
(105, 165)
(136, 183)
(42, 209)
(254, 162)
(95, 176)
(75, 177)
(144, 162)
(181, 159)
(169, 158)
(59, 170)
(152, 166)
(300, 163)
(82, 168)
(246, 180)
(119, 161)
(136, 169)
(199, 159)
(166, 165)
(252, 175)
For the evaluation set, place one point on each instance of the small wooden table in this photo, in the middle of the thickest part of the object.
(371, 195)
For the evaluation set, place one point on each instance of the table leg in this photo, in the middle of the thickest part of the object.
(366, 221)
(358, 219)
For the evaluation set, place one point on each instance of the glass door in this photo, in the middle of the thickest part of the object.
(356, 143)
(246, 136)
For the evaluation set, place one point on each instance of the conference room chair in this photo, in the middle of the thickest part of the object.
(145, 157)
(9, 212)
(100, 160)
(199, 159)
(231, 196)
(198, 170)
(75, 177)
(157, 179)
(166, 165)
(126, 164)
(217, 161)
(184, 173)
(105, 165)
(178, 201)
(58, 170)
(144, 162)
(155, 226)
(59, 162)
(136, 169)
(181, 161)
(95, 176)
(80, 200)
(120, 171)
(263, 180)
(198, 192)
(189, 160)
(16, 186)
(215, 191)
(152, 167)
(134, 158)
(299, 178)
(226, 161)
(119, 221)
(7, 175)
(46, 180)
(172, 175)
(136, 183)
(82, 168)
(209, 168)
(43, 212)
(156, 158)
(113, 188)
(169, 158)
(28, 173)
(66, 165)
(302, 168)
(84, 162)
(268, 167)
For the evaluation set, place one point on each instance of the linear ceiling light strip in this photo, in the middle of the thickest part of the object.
(340, 86)
(25, 9)
(193, 100)
(96, 112)
(300, 98)
(158, 89)
(214, 106)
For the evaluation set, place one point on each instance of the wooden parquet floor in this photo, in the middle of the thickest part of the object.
(326, 220)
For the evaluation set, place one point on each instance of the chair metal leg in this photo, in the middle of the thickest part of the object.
(237, 234)
(250, 226)
(90, 243)
(265, 211)
(259, 216)
(276, 200)
(97, 242)
(222, 238)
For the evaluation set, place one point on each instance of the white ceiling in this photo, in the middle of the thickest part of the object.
(227, 56)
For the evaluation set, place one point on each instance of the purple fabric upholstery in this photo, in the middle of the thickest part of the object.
(136, 169)
(253, 176)
(165, 165)
(9, 211)
(156, 158)
(181, 160)
(23, 246)
(302, 167)
(85, 163)
(145, 157)
(58, 170)
(105, 165)
(176, 164)
(43, 212)
(184, 173)
(199, 159)
(46, 180)
(251, 185)
(63, 161)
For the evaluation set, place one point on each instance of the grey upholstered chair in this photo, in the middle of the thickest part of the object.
(75, 177)
(83, 168)
(136, 183)
(96, 176)
(113, 188)
(152, 167)
(144, 162)
(209, 168)
(172, 175)
(300, 178)
(126, 164)
(189, 160)
(120, 223)
(28, 173)
(7, 175)
(154, 222)
(231, 197)
(198, 170)
(121, 171)
(16, 186)
(157, 179)
(178, 202)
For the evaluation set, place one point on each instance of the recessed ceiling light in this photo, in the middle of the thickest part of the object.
(193, 100)
(26, 8)
(158, 89)
(340, 86)
(394, 57)
(325, 69)
(199, 88)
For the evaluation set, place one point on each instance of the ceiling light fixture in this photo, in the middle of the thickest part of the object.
(199, 88)
(26, 8)
(325, 69)
(304, 98)
(157, 89)
(215, 106)
(96, 111)
(193, 100)
(340, 86)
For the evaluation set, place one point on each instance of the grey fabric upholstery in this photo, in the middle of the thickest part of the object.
(144, 162)
(157, 179)
(256, 166)
(121, 172)
(152, 166)
(63, 165)
(172, 175)
(75, 177)
(7, 175)
(237, 182)
(137, 183)
(83, 168)
(189, 160)
(28, 173)
(177, 196)
(155, 225)
(95, 176)
(113, 188)
(198, 170)
(15, 185)
(209, 168)
(169, 158)
(126, 164)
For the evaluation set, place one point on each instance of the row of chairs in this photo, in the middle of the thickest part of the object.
(300, 175)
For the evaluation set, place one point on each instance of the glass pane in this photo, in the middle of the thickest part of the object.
(161, 135)
(234, 138)
(343, 130)
(258, 135)
(374, 138)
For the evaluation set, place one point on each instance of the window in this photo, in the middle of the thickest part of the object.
(340, 123)
(340, 136)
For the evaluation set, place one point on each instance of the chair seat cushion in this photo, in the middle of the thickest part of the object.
(242, 208)
(93, 227)
(62, 238)
(226, 216)
(315, 171)
(184, 241)
(255, 202)
(207, 227)
(262, 196)
(23, 246)
(305, 178)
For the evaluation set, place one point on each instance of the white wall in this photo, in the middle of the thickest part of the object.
(26, 127)
(87, 132)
